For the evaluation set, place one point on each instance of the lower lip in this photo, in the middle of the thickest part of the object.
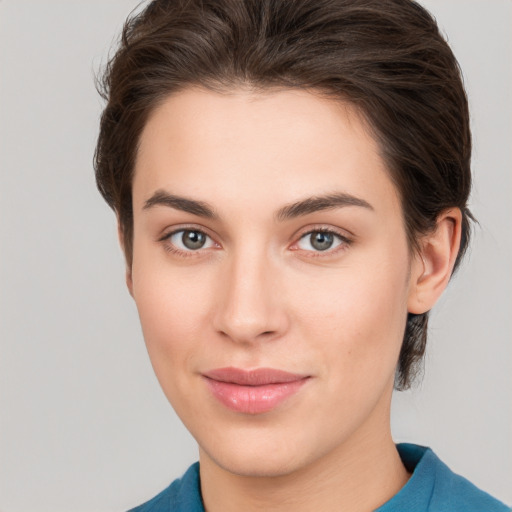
(253, 399)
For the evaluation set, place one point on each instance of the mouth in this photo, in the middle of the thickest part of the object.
(254, 391)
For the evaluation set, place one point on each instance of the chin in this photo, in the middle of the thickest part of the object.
(257, 465)
(262, 454)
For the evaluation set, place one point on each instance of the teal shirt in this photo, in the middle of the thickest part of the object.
(433, 487)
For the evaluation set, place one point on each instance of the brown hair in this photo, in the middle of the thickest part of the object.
(386, 57)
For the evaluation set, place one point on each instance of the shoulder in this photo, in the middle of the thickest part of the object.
(454, 492)
(434, 487)
(183, 495)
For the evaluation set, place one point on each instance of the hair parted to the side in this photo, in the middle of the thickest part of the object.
(386, 57)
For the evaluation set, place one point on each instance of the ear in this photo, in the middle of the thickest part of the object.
(128, 269)
(433, 264)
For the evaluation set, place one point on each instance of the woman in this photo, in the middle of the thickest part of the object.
(291, 183)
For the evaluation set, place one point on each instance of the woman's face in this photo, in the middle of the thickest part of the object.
(271, 273)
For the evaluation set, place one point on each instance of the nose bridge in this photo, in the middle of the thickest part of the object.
(248, 305)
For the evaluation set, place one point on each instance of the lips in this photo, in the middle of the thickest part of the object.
(255, 391)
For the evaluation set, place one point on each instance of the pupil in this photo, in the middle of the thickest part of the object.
(321, 241)
(193, 239)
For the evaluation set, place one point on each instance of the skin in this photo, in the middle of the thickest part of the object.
(259, 294)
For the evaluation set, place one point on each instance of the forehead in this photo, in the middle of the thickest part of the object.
(282, 144)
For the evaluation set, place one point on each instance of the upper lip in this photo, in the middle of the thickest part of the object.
(257, 377)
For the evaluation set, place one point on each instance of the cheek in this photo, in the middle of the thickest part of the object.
(357, 316)
(172, 306)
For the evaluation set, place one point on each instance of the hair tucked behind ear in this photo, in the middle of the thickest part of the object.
(411, 354)
(386, 57)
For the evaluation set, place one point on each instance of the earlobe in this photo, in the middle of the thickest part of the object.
(128, 272)
(433, 265)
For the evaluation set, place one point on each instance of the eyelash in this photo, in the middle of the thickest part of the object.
(165, 239)
(345, 242)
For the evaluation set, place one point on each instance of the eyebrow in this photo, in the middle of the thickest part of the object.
(287, 212)
(199, 208)
(319, 203)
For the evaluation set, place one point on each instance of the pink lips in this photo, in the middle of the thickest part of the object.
(255, 391)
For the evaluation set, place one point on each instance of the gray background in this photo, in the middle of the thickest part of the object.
(83, 423)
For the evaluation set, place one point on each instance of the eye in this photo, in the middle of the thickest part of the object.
(188, 240)
(320, 241)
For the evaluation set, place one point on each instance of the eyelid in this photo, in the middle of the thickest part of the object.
(346, 239)
(325, 228)
(171, 230)
(168, 233)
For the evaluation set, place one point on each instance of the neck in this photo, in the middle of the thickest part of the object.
(360, 475)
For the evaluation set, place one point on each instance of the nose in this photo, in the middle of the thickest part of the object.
(250, 306)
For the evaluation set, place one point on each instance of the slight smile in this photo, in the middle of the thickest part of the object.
(254, 391)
